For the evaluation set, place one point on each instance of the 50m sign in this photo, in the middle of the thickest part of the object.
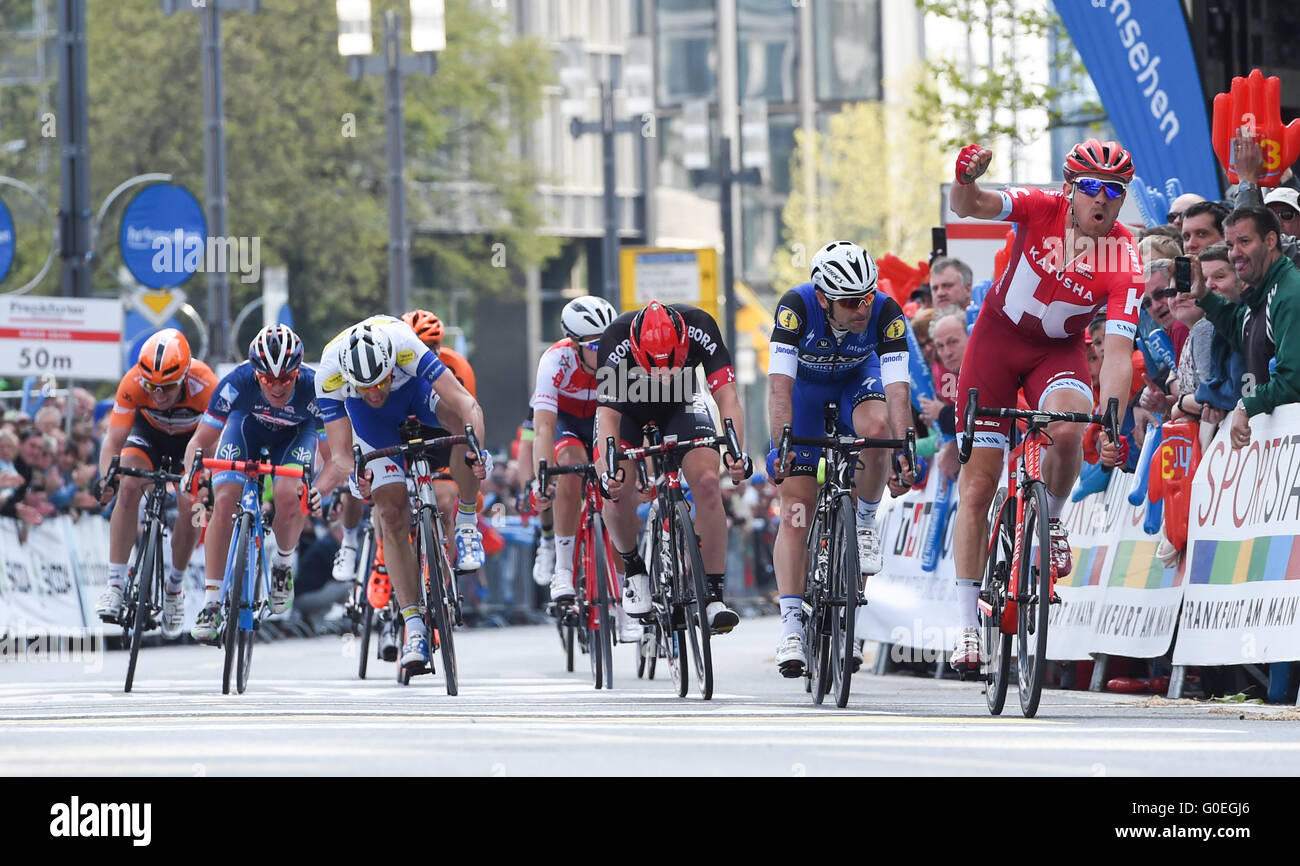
(76, 338)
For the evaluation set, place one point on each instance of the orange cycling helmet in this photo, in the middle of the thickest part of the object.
(165, 357)
(658, 337)
(426, 325)
(1098, 157)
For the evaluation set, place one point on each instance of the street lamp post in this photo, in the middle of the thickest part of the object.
(428, 34)
(753, 160)
(574, 76)
(214, 145)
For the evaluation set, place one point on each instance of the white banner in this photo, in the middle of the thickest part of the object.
(38, 585)
(1091, 523)
(88, 544)
(1243, 587)
(1139, 608)
(907, 606)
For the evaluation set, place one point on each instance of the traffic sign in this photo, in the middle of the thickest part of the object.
(75, 338)
(157, 306)
(669, 276)
(6, 241)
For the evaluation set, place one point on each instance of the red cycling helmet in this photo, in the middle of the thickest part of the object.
(1098, 157)
(658, 337)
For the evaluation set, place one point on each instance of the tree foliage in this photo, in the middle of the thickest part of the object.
(305, 145)
(983, 104)
(877, 172)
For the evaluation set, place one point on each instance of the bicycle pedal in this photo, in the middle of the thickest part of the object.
(1056, 599)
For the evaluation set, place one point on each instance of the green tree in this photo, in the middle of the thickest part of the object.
(877, 173)
(982, 104)
(305, 145)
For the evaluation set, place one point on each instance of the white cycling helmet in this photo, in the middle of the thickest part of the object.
(366, 356)
(842, 269)
(586, 317)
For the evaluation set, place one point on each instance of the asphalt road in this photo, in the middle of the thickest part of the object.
(520, 714)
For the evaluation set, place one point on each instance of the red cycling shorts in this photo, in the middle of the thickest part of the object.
(999, 361)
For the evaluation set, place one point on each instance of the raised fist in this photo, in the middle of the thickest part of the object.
(972, 162)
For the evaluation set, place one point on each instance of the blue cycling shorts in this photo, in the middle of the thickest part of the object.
(244, 437)
(808, 401)
(373, 428)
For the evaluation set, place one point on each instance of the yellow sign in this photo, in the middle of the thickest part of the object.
(670, 276)
(158, 306)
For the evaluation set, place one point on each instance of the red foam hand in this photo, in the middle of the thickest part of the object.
(903, 279)
(1255, 102)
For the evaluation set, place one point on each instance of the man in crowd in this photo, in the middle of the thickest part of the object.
(948, 332)
(1202, 226)
(1284, 202)
(1178, 209)
(950, 283)
(1263, 326)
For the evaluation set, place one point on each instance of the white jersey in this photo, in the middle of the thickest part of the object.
(562, 384)
(413, 359)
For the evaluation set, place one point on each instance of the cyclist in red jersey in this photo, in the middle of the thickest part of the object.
(1069, 259)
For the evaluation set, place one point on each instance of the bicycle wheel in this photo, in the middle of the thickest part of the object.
(368, 613)
(815, 616)
(604, 603)
(993, 592)
(248, 636)
(670, 617)
(439, 575)
(694, 596)
(230, 625)
(139, 587)
(845, 577)
(585, 598)
(1035, 597)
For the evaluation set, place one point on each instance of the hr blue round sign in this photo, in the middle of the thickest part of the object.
(163, 235)
(6, 241)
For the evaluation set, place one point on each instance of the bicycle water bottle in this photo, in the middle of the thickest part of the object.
(934, 530)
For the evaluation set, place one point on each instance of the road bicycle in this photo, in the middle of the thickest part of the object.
(142, 596)
(246, 584)
(591, 615)
(439, 597)
(356, 607)
(833, 585)
(678, 619)
(1019, 584)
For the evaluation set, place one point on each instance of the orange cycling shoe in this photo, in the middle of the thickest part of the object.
(379, 589)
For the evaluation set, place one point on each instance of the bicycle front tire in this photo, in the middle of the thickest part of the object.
(695, 599)
(1035, 584)
(439, 574)
(605, 604)
(142, 584)
(239, 567)
(997, 577)
(845, 577)
(248, 636)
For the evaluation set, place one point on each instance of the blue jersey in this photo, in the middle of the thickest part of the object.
(805, 347)
(240, 392)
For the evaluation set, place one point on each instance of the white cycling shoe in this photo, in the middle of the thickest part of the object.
(636, 595)
(173, 614)
(469, 548)
(722, 619)
(870, 560)
(562, 588)
(544, 563)
(791, 660)
(967, 652)
(345, 563)
(109, 606)
(629, 630)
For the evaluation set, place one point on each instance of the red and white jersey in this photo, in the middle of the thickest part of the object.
(1048, 295)
(562, 384)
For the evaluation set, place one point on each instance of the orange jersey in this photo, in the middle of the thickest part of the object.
(460, 368)
(181, 418)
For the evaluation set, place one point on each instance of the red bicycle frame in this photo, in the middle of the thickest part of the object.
(1024, 464)
(585, 552)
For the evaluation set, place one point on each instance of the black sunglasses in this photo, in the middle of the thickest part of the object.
(1173, 215)
(1285, 214)
(1162, 294)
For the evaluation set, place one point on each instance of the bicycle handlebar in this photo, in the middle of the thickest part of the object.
(1036, 418)
(115, 468)
(847, 444)
(253, 469)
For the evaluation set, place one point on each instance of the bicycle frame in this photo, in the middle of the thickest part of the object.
(250, 504)
(1024, 464)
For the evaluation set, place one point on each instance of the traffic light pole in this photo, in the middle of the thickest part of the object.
(607, 126)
